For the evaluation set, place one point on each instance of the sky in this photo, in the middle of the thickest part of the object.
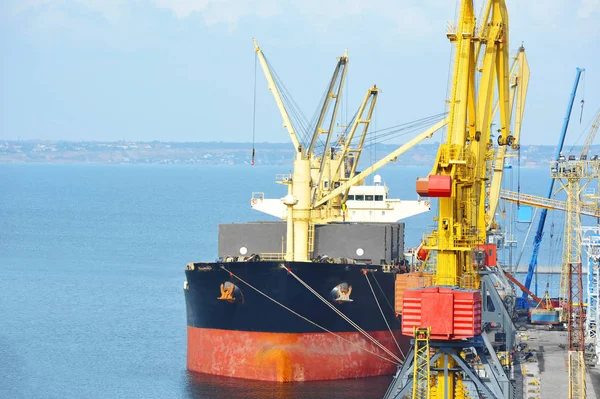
(184, 70)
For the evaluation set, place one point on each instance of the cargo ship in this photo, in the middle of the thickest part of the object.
(255, 315)
(309, 296)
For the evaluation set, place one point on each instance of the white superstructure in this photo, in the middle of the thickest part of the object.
(367, 203)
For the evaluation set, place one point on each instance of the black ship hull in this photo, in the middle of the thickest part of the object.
(256, 320)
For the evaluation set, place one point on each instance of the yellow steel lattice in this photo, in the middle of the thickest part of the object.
(421, 374)
(576, 375)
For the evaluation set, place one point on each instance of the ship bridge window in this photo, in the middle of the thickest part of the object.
(379, 198)
(368, 198)
(351, 198)
(359, 197)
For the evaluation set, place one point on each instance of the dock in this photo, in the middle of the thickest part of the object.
(545, 374)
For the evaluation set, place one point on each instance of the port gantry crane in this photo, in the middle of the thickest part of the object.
(450, 313)
(324, 172)
(573, 176)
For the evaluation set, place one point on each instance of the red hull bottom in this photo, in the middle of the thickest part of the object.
(287, 357)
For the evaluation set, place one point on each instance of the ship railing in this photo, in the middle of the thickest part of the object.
(283, 178)
(272, 256)
(257, 198)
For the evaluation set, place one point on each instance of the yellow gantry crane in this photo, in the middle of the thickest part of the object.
(459, 177)
(462, 161)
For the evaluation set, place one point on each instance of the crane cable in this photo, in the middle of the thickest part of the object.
(401, 130)
(304, 318)
(582, 96)
(382, 314)
(518, 176)
(254, 110)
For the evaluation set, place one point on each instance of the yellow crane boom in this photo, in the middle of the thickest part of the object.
(349, 157)
(461, 163)
(287, 123)
(326, 155)
(382, 162)
(591, 135)
(519, 82)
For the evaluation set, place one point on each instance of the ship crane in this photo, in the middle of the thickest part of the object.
(320, 181)
(452, 308)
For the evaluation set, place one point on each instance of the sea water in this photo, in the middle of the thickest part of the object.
(92, 261)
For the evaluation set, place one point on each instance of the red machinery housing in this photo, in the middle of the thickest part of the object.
(434, 186)
(452, 313)
(489, 254)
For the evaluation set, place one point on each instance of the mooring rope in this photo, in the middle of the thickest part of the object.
(382, 314)
(383, 293)
(308, 320)
(343, 316)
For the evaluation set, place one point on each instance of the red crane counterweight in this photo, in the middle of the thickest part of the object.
(452, 313)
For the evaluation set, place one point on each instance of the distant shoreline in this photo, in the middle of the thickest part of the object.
(222, 153)
(395, 165)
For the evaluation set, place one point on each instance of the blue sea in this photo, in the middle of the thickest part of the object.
(92, 262)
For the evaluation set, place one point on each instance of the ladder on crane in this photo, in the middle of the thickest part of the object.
(422, 374)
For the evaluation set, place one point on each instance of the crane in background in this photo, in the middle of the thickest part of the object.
(522, 302)
(573, 176)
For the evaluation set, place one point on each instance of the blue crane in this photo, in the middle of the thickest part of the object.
(522, 302)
